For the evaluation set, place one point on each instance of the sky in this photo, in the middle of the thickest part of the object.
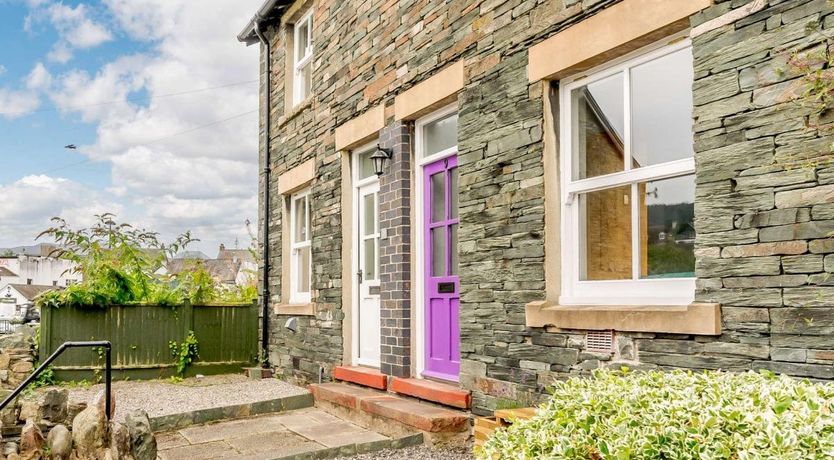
(161, 101)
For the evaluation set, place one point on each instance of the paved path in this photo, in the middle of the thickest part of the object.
(264, 437)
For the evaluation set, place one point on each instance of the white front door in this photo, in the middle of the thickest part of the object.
(368, 333)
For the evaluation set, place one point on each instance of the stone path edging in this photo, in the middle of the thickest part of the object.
(359, 448)
(184, 419)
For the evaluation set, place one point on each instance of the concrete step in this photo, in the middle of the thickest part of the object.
(364, 376)
(429, 390)
(367, 403)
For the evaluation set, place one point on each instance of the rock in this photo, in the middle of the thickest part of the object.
(31, 441)
(88, 431)
(10, 448)
(119, 441)
(142, 440)
(28, 410)
(59, 441)
(73, 409)
(5, 360)
(100, 399)
(53, 405)
(22, 367)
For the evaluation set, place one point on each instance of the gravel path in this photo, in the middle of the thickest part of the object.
(161, 397)
(417, 453)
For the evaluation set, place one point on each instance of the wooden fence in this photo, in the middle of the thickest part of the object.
(227, 337)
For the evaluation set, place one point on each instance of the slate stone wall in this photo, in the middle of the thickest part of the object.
(764, 207)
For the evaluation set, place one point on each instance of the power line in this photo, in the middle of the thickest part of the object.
(131, 99)
(191, 130)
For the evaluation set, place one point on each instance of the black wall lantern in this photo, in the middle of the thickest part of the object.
(379, 158)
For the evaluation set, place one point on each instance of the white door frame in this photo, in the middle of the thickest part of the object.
(355, 256)
(418, 272)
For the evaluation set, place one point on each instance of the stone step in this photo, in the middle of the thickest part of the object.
(364, 376)
(429, 390)
(408, 412)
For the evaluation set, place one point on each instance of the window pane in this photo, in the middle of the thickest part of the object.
(300, 209)
(303, 270)
(667, 231)
(306, 81)
(438, 251)
(598, 128)
(366, 165)
(453, 193)
(438, 197)
(453, 250)
(302, 43)
(605, 232)
(440, 135)
(370, 214)
(370, 259)
(661, 113)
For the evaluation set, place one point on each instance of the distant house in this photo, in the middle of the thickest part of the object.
(36, 265)
(18, 300)
(231, 267)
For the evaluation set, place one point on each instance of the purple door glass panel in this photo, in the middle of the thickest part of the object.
(442, 303)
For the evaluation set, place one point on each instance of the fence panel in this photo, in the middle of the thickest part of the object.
(227, 338)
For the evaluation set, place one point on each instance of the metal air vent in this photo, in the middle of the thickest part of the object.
(600, 341)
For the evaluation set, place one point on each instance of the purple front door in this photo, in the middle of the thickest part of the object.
(441, 269)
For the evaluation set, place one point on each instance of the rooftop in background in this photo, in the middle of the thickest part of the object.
(30, 291)
(6, 272)
(38, 250)
(243, 255)
(191, 255)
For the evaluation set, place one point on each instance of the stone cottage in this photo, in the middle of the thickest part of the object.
(498, 193)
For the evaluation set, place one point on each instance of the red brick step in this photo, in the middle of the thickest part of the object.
(364, 376)
(429, 390)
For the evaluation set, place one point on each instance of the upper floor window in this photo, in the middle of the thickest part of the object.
(628, 183)
(301, 265)
(303, 57)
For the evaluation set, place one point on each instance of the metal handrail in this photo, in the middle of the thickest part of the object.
(64, 347)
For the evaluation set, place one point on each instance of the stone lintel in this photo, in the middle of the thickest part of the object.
(695, 318)
(613, 32)
(437, 91)
(297, 177)
(295, 309)
(361, 129)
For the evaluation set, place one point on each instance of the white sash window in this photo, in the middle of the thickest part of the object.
(301, 265)
(628, 184)
(303, 58)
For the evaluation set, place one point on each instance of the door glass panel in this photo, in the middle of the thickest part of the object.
(661, 109)
(304, 269)
(438, 251)
(370, 259)
(366, 165)
(599, 127)
(300, 219)
(440, 135)
(453, 193)
(370, 214)
(438, 197)
(453, 249)
(667, 229)
(605, 233)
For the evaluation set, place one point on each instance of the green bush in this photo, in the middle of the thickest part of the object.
(675, 415)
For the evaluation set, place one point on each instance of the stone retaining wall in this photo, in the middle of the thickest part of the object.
(17, 356)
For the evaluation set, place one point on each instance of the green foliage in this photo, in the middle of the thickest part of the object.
(185, 353)
(44, 379)
(671, 258)
(675, 415)
(119, 265)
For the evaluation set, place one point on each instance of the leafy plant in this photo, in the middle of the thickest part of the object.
(675, 415)
(185, 353)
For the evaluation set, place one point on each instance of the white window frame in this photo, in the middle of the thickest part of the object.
(300, 62)
(636, 291)
(297, 296)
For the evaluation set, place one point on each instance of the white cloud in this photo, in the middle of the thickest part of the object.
(15, 104)
(28, 204)
(39, 78)
(173, 176)
(2, 69)
(76, 27)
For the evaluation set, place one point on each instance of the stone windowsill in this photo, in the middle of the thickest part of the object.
(297, 309)
(695, 318)
(295, 111)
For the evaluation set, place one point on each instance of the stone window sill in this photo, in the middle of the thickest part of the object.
(296, 309)
(295, 111)
(695, 318)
